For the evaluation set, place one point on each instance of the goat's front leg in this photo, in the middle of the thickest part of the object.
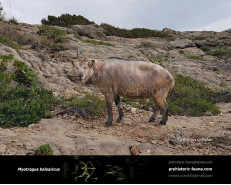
(109, 99)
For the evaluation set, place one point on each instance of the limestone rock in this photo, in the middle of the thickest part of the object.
(91, 31)
(177, 137)
(182, 43)
(208, 113)
(193, 51)
(2, 148)
(133, 110)
(70, 94)
(168, 31)
(225, 107)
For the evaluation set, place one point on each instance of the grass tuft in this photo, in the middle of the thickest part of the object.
(88, 106)
(44, 150)
(196, 58)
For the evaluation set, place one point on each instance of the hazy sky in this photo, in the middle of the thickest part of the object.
(180, 15)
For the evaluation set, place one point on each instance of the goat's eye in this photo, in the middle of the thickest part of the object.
(77, 68)
(85, 67)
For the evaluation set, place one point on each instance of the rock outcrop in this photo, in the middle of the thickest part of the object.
(91, 31)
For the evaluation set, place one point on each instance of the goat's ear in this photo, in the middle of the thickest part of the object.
(87, 55)
(91, 63)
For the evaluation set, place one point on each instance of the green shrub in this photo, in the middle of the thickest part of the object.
(224, 38)
(174, 109)
(66, 20)
(5, 59)
(95, 42)
(24, 75)
(8, 42)
(53, 34)
(89, 105)
(195, 58)
(44, 150)
(155, 60)
(220, 53)
(21, 106)
(134, 33)
(205, 48)
(10, 35)
(25, 103)
(192, 97)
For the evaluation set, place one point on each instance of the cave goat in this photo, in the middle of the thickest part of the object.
(116, 77)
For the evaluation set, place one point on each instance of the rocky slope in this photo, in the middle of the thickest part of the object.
(73, 135)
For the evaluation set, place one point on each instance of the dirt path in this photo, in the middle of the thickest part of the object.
(207, 135)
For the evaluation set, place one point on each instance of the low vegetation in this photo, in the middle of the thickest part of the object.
(155, 60)
(89, 105)
(11, 35)
(8, 42)
(55, 35)
(146, 45)
(66, 20)
(44, 150)
(220, 53)
(196, 58)
(202, 38)
(134, 33)
(94, 42)
(22, 101)
(191, 98)
(205, 48)
(170, 38)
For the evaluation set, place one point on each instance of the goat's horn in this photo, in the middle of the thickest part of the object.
(87, 54)
(77, 53)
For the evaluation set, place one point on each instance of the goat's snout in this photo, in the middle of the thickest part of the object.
(80, 75)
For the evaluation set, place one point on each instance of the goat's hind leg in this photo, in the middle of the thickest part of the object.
(118, 105)
(155, 111)
(164, 112)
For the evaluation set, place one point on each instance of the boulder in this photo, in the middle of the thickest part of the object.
(168, 31)
(70, 94)
(193, 52)
(66, 30)
(225, 107)
(177, 137)
(2, 148)
(91, 31)
(182, 43)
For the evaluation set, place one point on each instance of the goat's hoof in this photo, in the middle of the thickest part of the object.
(163, 122)
(152, 119)
(108, 124)
(118, 120)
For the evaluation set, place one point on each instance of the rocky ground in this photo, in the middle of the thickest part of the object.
(207, 135)
(71, 135)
